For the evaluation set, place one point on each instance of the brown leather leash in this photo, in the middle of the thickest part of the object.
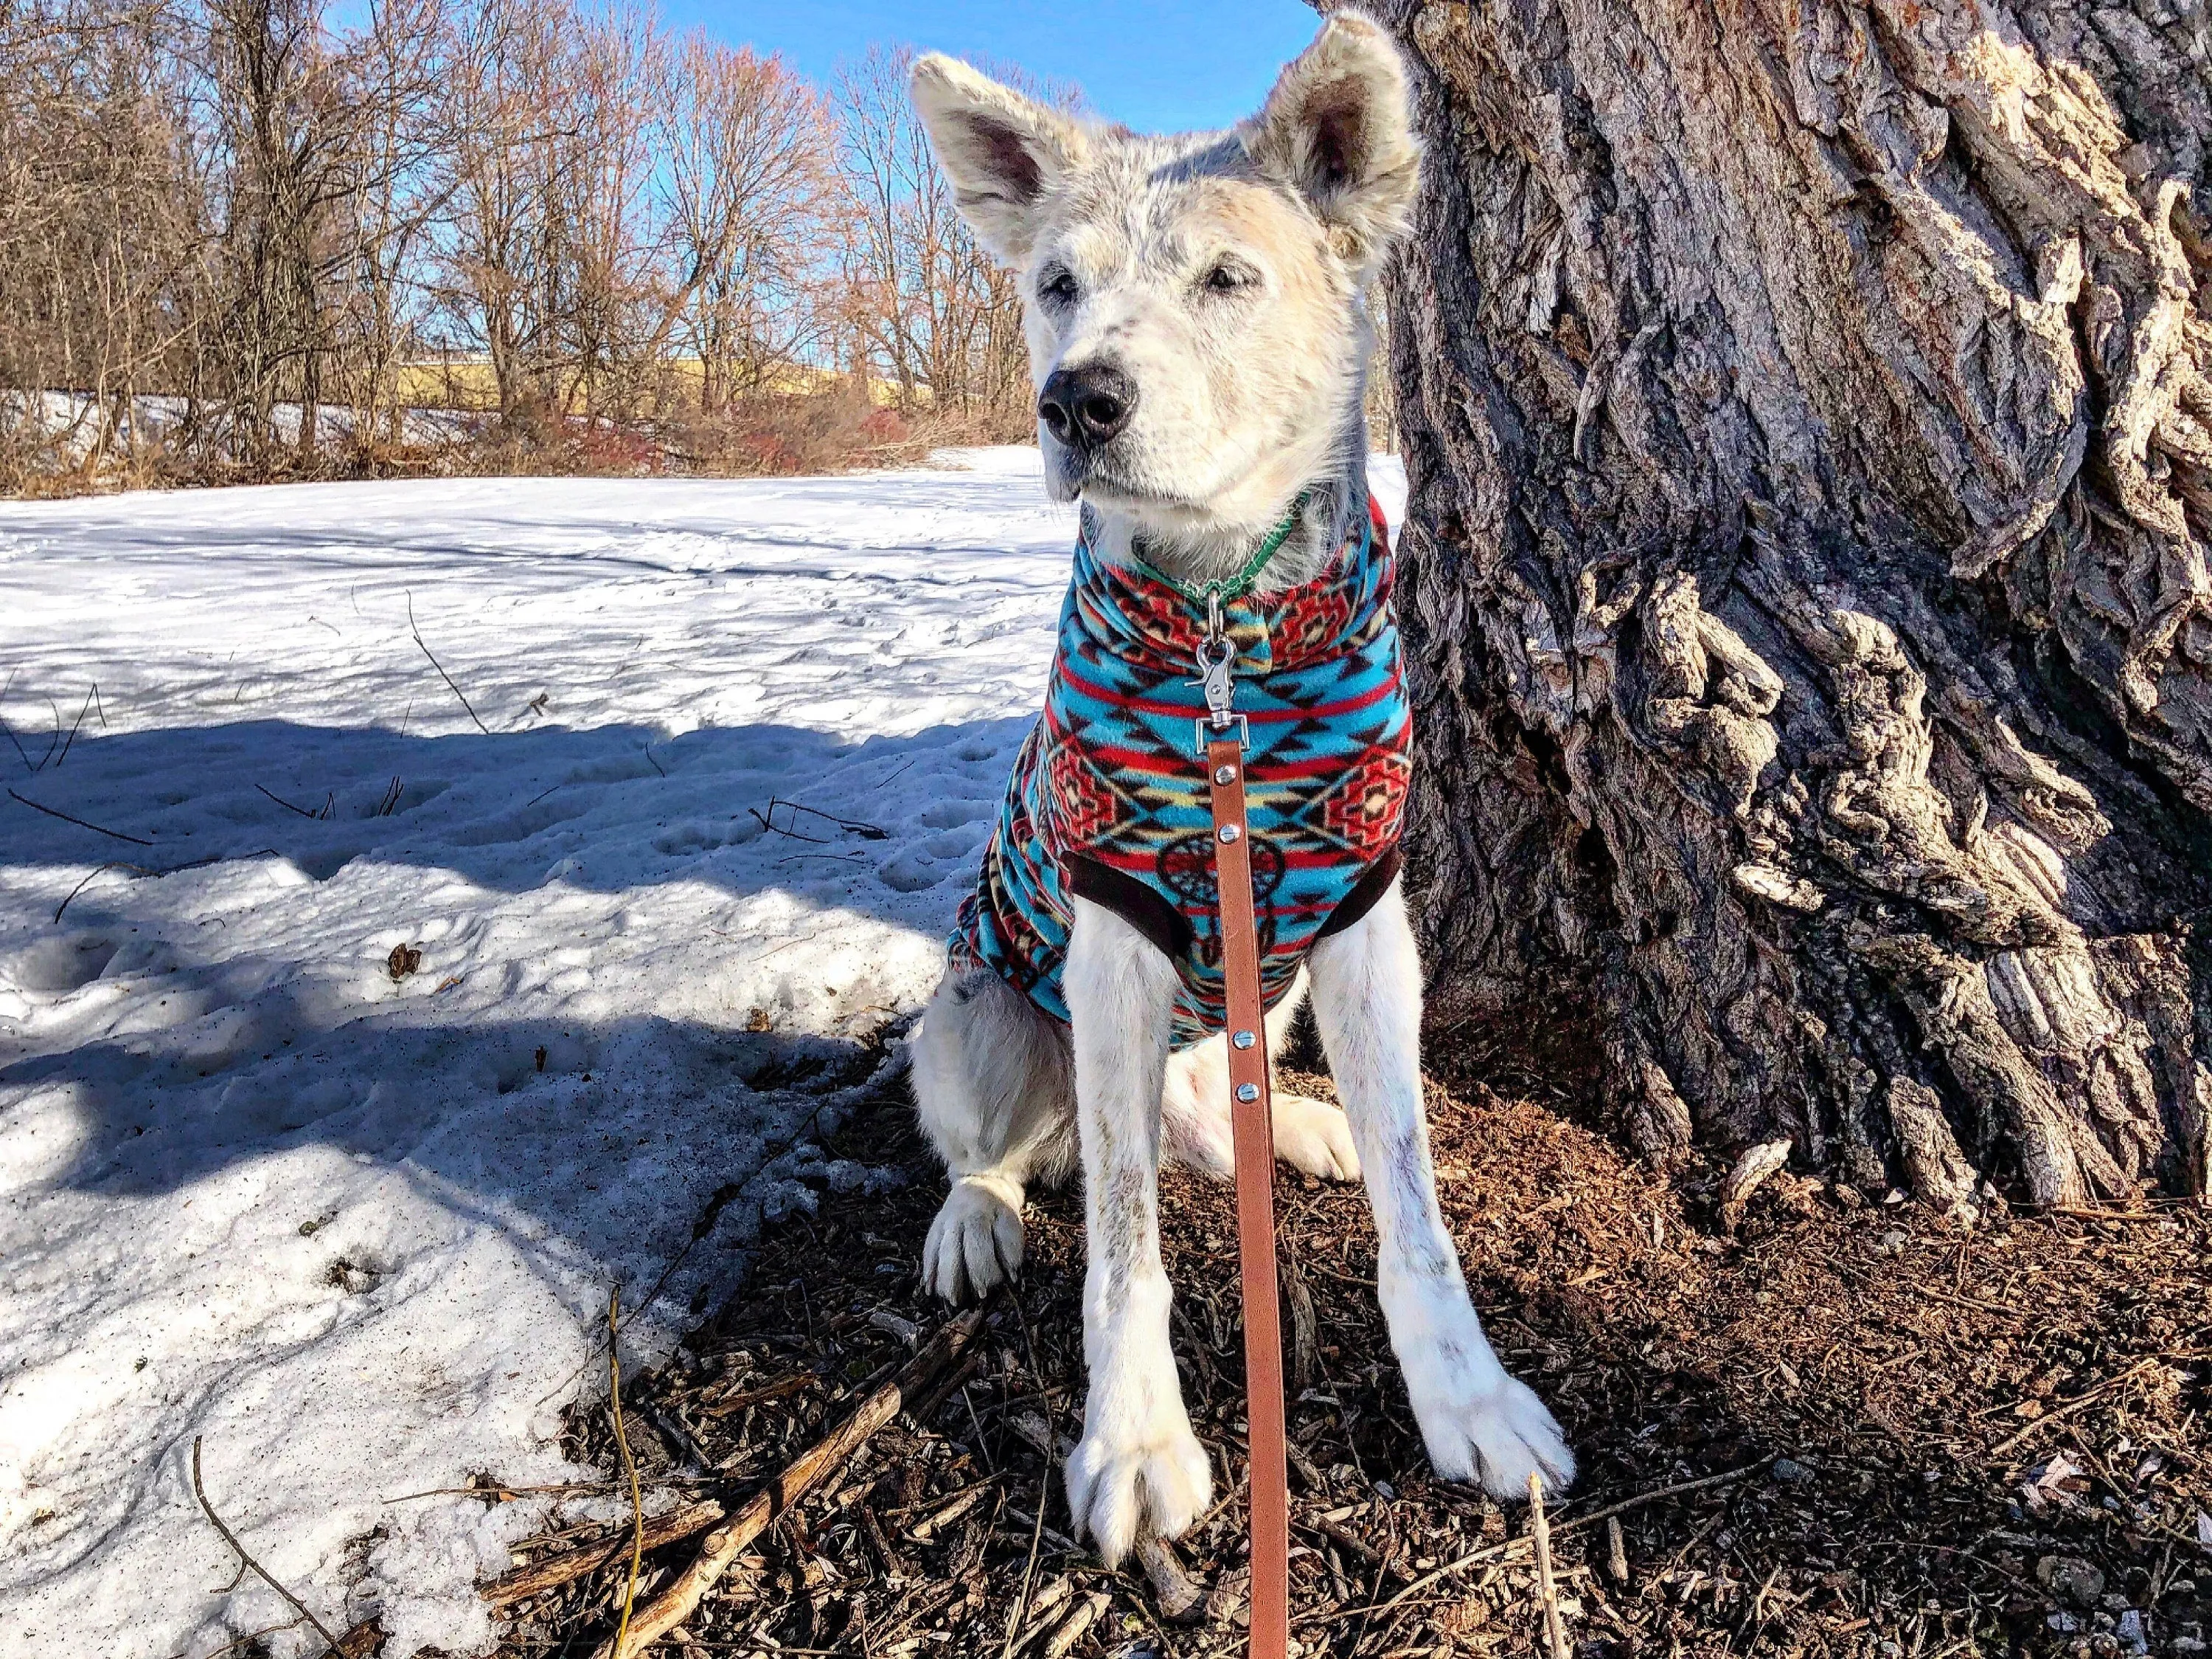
(1222, 736)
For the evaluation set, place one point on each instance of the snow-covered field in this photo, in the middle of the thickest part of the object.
(357, 1232)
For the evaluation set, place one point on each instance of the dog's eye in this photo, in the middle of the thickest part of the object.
(1058, 288)
(1225, 279)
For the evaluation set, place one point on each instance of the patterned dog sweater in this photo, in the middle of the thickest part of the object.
(1109, 799)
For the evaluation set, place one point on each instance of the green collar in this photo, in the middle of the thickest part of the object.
(1235, 586)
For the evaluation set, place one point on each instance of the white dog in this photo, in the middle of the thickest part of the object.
(1198, 334)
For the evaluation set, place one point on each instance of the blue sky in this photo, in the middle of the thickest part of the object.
(1153, 63)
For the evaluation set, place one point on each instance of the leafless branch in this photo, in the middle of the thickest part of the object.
(245, 1560)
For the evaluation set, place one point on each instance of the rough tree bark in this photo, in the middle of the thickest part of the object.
(1808, 408)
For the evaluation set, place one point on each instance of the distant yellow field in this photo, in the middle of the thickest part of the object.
(468, 384)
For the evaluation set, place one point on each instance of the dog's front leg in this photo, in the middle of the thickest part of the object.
(1476, 1420)
(1138, 1465)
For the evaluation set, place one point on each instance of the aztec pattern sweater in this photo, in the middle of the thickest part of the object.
(1109, 799)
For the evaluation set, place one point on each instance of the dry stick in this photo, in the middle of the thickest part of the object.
(661, 1531)
(1044, 1492)
(9, 730)
(135, 841)
(288, 805)
(148, 870)
(2071, 1406)
(18, 742)
(117, 863)
(1547, 1587)
(83, 710)
(1492, 1552)
(440, 668)
(53, 742)
(330, 1642)
(729, 1540)
(2172, 1213)
(630, 1464)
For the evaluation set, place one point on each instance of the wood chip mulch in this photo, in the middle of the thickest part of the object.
(1849, 1428)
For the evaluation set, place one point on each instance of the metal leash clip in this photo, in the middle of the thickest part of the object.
(1217, 655)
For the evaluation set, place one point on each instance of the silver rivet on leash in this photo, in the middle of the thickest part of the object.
(1243, 1039)
(1248, 1092)
(1224, 774)
(1229, 832)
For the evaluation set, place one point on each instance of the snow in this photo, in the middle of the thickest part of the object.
(356, 1233)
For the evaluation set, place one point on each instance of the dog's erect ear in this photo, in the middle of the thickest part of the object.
(1002, 151)
(1338, 129)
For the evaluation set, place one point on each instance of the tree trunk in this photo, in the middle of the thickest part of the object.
(1808, 411)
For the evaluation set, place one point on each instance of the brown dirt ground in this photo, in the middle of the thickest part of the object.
(1916, 1439)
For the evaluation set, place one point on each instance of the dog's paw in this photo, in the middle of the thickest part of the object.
(1499, 1435)
(1313, 1137)
(976, 1239)
(1152, 1483)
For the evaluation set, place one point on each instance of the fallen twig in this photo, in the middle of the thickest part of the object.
(630, 1463)
(854, 826)
(83, 708)
(2071, 1406)
(1492, 1552)
(440, 668)
(317, 816)
(769, 823)
(330, 1642)
(148, 870)
(730, 1540)
(1547, 1587)
(2171, 1212)
(53, 742)
(18, 742)
(135, 841)
(686, 1522)
(1182, 1598)
(1044, 1492)
(10, 730)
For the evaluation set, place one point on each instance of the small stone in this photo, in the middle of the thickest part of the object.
(1789, 1469)
(2129, 1630)
(1386, 1491)
(2070, 1579)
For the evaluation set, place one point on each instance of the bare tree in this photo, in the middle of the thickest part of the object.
(254, 219)
(506, 93)
(103, 226)
(746, 144)
(928, 307)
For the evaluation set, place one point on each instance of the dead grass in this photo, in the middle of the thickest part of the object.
(1928, 1443)
(774, 435)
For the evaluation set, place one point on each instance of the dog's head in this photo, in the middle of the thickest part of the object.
(1196, 324)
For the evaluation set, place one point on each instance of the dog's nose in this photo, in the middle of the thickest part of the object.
(1086, 408)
